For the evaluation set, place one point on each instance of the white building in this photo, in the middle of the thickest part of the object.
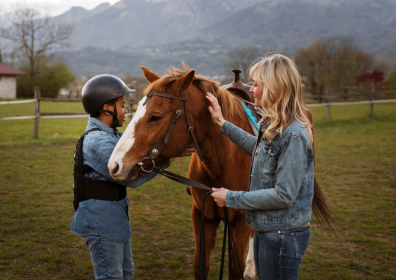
(8, 81)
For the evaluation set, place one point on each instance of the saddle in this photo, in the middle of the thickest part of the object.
(242, 91)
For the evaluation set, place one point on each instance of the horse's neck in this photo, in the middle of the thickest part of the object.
(214, 147)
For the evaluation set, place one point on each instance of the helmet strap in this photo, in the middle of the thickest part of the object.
(115, 122)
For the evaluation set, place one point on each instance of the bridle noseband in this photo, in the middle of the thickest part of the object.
(159, 145)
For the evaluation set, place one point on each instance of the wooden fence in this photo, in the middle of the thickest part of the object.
(53, 115)
(131, 102)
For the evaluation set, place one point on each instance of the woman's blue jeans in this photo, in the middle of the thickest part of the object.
(111, 259)
(278, 254)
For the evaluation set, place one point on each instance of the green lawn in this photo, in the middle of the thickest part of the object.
(356, 160)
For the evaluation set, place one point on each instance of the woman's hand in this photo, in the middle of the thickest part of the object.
(219, 196)
(215, 110)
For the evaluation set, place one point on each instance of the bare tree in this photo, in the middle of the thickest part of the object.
(241, 58)
(31, 35)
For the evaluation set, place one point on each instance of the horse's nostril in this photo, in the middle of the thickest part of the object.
(115, 169)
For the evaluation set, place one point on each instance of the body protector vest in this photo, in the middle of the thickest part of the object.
(85, 188)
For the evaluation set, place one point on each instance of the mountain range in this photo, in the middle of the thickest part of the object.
(158, 33)
(138, 22)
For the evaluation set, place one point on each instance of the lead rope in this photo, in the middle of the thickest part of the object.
(202, 242)
(231, 245)
(227, 226)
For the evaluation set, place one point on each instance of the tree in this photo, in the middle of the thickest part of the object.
(392, 79)
(32, 36)
(332, 64)
(371, 82)
(52, 76)
(241, 58)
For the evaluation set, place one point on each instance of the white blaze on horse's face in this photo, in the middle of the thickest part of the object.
(118, 169)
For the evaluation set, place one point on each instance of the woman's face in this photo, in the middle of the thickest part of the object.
(257, 91)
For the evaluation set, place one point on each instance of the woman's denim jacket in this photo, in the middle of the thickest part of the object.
(281, 178)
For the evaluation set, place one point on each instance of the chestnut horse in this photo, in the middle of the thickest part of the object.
(223, 165)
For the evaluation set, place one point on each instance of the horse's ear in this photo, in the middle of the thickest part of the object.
(150, 75)
(184, 82)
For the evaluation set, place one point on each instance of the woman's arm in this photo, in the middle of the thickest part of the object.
(289, 175)
(241, 138)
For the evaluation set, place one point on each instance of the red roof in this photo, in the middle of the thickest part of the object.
(6, 70)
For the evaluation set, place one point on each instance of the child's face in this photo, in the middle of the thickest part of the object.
(121, 110)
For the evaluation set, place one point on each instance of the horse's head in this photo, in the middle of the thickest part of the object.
(150, 121)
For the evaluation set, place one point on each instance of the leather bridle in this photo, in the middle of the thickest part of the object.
(161, 142)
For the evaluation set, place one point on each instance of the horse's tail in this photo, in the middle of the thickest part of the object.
(321, 211)
(319, 205)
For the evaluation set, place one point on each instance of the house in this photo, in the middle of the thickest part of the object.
(8, 81)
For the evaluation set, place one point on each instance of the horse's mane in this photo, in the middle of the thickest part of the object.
(230, 105)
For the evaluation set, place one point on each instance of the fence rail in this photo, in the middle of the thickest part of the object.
(59, 115)
(18, 101)
(353, 102)
(59, 100)
(52, 115)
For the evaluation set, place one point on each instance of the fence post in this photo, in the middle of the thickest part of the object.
(372, 92)
(328, 110)
(345, 92)
(371, 107)
(36, 111)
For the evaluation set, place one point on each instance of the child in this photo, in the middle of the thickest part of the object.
(102, 217)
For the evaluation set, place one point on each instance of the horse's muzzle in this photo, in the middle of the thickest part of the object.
(123, 172)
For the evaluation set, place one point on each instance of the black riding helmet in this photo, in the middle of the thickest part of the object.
(101, 89)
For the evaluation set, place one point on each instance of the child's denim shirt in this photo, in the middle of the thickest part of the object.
(99, 217)
(282, 178)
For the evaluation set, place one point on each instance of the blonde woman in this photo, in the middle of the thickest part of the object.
(281, 190)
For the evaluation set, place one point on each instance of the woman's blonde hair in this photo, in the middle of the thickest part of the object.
(282, 93)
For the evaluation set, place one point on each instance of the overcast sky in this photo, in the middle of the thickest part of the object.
(56, 7)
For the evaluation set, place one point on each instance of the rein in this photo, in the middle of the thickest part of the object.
(156, 150)
(227, 226)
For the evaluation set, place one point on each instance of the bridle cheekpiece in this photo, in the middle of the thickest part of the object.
(159, 145)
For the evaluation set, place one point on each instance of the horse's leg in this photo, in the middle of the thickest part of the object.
(241, 235)
(250, 270)
(210, 238)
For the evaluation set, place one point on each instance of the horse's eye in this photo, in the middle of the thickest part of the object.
(155, 119)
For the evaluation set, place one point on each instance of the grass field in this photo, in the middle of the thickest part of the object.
(356, 161)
